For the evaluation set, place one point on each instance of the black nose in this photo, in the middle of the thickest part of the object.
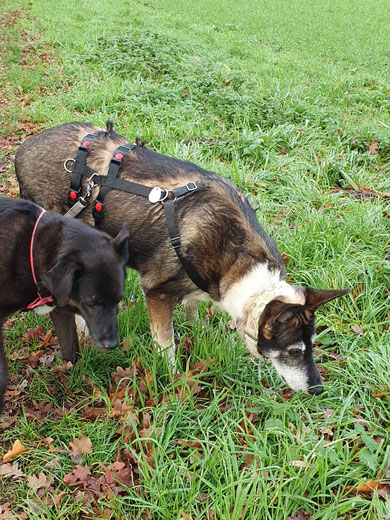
(316, 390)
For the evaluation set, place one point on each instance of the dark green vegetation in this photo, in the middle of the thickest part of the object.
(290, 100)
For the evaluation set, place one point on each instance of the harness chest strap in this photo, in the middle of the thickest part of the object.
(79, 168)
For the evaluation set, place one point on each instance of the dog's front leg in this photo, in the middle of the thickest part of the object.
(160, 310)
(64, 324)
(3, 369)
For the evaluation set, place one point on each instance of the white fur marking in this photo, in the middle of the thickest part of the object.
(237, 298)
(295, 377)
(297, 346)
(44, 309)
(81, 326)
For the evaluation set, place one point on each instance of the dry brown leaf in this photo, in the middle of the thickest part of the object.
(121, 373)
(79, 447)
(372, 147)
(357, 330)
(40, 484)
(11, 470)
(6, 513)
(300, 515)
(328, 412)
(78, 476)
(15, 451)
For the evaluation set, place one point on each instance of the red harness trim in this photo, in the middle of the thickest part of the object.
(38, 301)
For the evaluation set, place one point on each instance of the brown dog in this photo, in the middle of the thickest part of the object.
(238, 264)
(59, 265)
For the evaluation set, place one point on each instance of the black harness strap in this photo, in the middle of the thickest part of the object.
(168, 199)
(174, 234)
(111, 182)
(113, 171)
(80, 169)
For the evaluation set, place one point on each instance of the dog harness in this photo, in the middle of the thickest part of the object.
(111, 181)
(41, 299)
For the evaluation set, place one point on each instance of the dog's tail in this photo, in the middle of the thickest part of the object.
(109, 127)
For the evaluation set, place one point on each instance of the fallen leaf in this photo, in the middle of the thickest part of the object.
(78, 476)
(11, 470)
(121, 373)
(60, 371)
(357, 330)
(79, 447)
(372, 147)
(328, 412)
(15, 451)
(34, 334)
(40, 484)
(6, 513)
(300, 464)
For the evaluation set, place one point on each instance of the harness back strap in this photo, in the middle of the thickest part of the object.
(113, 171)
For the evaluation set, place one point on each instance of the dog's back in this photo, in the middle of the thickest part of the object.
(215, 223)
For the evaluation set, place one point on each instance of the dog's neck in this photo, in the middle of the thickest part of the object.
(256, 289)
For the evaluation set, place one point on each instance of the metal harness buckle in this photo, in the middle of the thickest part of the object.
(193, 187)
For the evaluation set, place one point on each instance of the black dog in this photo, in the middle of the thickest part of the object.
(63, 266)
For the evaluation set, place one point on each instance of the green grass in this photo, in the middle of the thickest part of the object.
(286, 99)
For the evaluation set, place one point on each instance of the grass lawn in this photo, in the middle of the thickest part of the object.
(290, 100)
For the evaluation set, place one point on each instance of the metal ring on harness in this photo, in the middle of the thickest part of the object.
(66, 163)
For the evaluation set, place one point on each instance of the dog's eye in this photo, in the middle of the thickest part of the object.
(295, 351)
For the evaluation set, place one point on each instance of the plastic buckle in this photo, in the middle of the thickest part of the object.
(73, 195)
(98, 210)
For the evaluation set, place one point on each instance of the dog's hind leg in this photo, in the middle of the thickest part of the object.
(160, 310)
(65, 326)
(3, 369)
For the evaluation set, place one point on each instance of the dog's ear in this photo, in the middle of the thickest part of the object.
(277, 312)
(120, 242)
(60, 280)
(315, 297)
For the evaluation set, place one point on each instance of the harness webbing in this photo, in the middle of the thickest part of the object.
(113, 171)
(166, 197)
(80, 169)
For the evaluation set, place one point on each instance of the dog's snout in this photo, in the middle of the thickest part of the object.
(316, 390)
(109, 343)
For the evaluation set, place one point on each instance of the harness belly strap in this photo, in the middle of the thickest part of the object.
(174, 234)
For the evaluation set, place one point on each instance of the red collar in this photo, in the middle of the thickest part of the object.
(40, 300)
